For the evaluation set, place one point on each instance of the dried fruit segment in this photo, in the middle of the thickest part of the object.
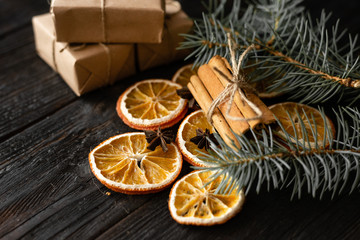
(124, 164)
(151, 103)
(193, 204)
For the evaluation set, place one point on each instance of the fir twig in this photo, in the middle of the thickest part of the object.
(281, 163)
(304, 59)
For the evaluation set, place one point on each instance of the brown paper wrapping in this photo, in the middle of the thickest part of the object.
(85, 67)
(152, 55)
(110, 21)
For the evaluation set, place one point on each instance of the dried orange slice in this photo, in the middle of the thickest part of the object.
(151, 103)
(182, 76)
(187, 130)
(124, 164)
(192, 204)
(313, 122)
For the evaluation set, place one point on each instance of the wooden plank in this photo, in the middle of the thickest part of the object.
(29, 91)
(29, 88)
(59, 221)
(264, 216)
(47, 188)
(51, 168)
(15, 41)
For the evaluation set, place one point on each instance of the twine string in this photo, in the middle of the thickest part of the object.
(73, 48)
(53, 56)
(102, 16)
(103, 19)
(53, 42)
(108, 70)
(236, 84)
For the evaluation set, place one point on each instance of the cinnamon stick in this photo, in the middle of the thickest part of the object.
(215, 87)
(204, 99)
(267, 117)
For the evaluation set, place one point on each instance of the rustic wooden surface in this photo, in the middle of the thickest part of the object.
(46, 132)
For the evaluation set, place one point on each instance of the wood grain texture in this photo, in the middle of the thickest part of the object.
(46, 132)
(53, 156)
(29, 89)
(264, 216)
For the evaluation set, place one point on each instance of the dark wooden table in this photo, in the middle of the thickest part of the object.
(46, 132)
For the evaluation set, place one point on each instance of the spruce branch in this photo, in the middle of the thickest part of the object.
(265, 159)
(304, 59)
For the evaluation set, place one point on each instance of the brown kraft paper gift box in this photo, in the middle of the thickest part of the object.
(152, 55)
(83, 67)
(110, 21)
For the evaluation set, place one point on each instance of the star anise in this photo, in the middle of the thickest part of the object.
(186, 94)
(158, 137)
(202, 138)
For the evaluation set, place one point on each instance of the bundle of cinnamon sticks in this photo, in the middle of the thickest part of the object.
(209, 83)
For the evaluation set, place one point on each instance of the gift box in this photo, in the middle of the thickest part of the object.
(110, 21)
(84, 67)
(152, 55)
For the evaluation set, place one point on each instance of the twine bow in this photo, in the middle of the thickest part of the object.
(236, 84)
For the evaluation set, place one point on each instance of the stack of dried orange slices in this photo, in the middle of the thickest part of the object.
(140, 163)
(125, 163)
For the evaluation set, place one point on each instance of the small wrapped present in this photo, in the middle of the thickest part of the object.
(83, 67)
(108, 21)
(152, 55)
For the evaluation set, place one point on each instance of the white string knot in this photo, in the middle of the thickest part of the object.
(238, 83)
